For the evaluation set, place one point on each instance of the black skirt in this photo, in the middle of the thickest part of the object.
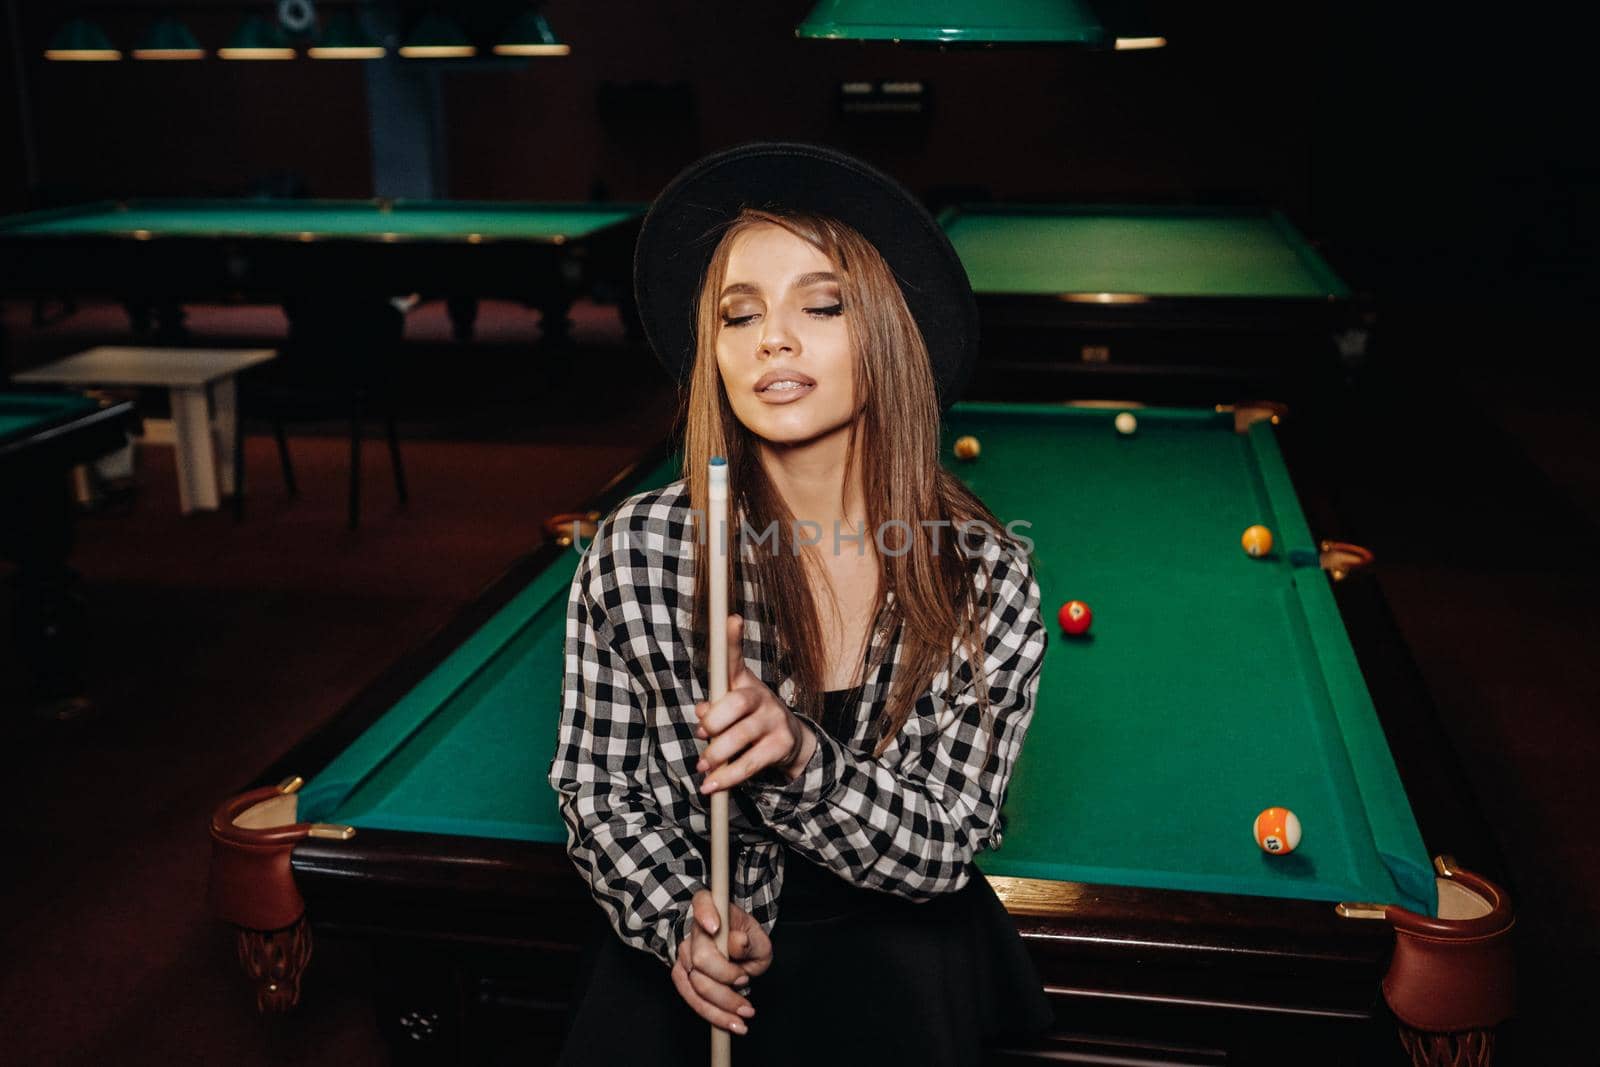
(858, 977)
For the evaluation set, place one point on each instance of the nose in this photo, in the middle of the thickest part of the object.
(777, 336)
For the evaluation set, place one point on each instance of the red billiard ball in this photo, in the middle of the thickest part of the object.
(1075, 617)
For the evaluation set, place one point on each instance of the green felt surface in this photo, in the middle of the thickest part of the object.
(1202, 693)
(1213, 685)
(1147, 251)
(423, 766)
(22, 414)
(13, 423)
(355, 219)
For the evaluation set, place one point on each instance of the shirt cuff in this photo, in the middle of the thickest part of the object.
(680, 934)
(779, 800)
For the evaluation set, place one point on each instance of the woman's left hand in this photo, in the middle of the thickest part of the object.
(750, 727)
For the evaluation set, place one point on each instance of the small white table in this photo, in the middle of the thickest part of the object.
(205, 406)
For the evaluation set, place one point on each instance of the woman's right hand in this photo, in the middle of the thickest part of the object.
(710, 982)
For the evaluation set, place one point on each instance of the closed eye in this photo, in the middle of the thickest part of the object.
(831, 311)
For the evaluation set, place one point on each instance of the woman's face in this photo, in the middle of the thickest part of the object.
(783, 346)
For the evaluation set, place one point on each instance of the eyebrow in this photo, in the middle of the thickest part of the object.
(815, 277)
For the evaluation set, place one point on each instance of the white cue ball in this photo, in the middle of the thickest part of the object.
(1126, 423)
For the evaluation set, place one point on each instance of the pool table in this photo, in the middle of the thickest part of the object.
(1156, 302)
(42, 437)
(156, 255)
(1211, 686)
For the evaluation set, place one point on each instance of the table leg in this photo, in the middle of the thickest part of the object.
(82, 488)
(196, 456)
(141, 313)
(171, 327)
(628, 309)
(224, 419)
(555, 324)
(463, 316)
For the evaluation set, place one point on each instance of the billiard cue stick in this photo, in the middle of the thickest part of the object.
(717, 549)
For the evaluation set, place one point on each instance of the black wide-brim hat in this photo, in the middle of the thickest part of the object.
(683, 226)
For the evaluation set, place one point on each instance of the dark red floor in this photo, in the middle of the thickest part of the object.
(219, 645)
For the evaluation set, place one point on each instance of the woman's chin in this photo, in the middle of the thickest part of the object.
(788, 429)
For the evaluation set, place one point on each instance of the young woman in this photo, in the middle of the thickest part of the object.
(884, 651)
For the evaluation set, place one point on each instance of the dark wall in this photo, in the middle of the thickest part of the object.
(1432, 158)
(1190, 121)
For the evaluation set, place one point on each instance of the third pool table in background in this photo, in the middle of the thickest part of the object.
(1130, 298)
(43, 436)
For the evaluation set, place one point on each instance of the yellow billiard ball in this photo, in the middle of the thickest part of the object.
(1126, 423)
(967, 447)
(1277, 831)
(1257, 541)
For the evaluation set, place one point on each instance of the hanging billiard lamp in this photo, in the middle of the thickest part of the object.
(437, 36)
(256, 38)
(529, 34)
(81, 41)
(1080, 23)
(1130, 24)
(168, 39)
(346, 38)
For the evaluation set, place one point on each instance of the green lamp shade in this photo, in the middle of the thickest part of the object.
(437, 37)
(346, 38)
(530, 35)
(81, 41)
(980, 22)
(167, 38)
(256, 38)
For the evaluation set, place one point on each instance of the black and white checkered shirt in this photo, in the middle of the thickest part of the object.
(907, 822)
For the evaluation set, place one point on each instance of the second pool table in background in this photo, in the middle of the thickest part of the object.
(156, 255)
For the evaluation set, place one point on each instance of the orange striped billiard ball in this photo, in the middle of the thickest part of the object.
(1257, 541)
(1075, 617)
(1277, 831)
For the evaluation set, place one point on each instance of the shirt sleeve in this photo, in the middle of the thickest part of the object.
(641, 865)
(910, 821)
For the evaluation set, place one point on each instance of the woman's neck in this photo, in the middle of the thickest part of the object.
(810, 479)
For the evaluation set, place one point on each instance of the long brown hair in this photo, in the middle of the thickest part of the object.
(896, 438)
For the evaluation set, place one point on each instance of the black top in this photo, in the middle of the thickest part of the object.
(811, 891)
(839, 709)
